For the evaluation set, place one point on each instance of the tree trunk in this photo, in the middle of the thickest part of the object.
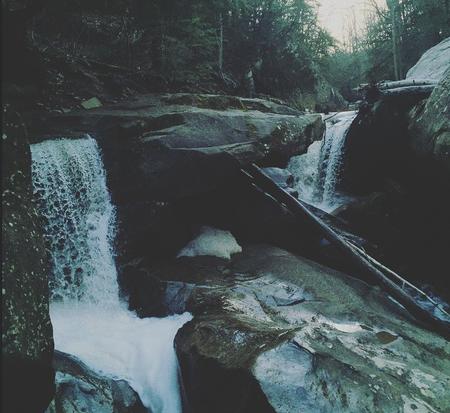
(393, 6)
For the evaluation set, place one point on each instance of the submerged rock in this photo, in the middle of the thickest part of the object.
(80, 390)
(27, 340)
(276, 332)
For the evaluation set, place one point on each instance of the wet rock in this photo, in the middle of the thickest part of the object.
(27, 339)
(80, 390)
(429, 124)
(143, 292)
(403, 141)
(338, 345)
(283, 178)
(174, 160)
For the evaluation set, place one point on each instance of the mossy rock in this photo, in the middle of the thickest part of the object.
(27, 339)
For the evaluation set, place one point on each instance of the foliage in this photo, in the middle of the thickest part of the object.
(419, 25)
(271, 47)
(277, 43)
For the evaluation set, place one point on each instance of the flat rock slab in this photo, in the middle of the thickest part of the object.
(177, 144)
(334, 344)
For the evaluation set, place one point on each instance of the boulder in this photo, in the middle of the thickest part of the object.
(80, 390)
(159, 132)
(274, 332)
(171, 158)
(429, 124)
(433, 63)
(27, 338)
(404, 140)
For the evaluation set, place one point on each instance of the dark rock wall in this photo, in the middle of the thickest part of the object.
(27, 340)
(429, 126)
(210, 386)
(391, 161)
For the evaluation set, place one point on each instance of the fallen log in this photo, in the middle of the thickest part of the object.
(404, 83)
(351, 252)
(424, 90)
(400, 279)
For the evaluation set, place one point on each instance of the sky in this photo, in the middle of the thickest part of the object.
(334, 14)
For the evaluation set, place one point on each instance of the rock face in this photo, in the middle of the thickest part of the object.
(27, 340)
(430, 123)
(274, 332)
(398, 147)
(433, 64)
(80, 390)
(174, 160)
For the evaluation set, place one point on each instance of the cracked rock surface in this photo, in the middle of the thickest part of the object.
(275, 332)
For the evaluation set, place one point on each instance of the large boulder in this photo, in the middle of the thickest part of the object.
(433, 63)
(275, 332)
(80, 390)
(27, 338)
(398, 147)
(430, 124)
(176, 158)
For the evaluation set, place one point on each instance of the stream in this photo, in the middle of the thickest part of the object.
(89, 319)
(317, 173)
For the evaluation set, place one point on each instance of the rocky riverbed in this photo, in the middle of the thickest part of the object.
(273, 331)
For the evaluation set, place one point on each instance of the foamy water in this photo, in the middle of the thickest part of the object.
(317, 173)
(118, 344)
(89, 321)
(213, 242)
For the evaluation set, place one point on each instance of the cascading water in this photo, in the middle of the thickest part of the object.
(88, 318)
(70, 185)
(317, 172)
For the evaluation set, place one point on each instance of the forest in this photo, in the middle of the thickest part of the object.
(246, 47)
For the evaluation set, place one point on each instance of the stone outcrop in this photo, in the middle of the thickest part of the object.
(80, 390)
(429, 124)
(27, 340)
(433, 63)
(174, 160)
(397, 153)
(275, 332)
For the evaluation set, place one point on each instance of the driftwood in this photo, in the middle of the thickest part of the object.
(404, 83)
(409, 90)
(407, 87)
(404, 283)
(354, 254)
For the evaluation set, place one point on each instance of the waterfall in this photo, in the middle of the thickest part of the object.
(70, 185)
(317, 172)
(89, 320)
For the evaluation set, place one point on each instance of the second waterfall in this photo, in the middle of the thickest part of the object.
(89, 320)
(317, 172)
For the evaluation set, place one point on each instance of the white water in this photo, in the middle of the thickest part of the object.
(89, 321)
(317, 172)
(213, 242)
